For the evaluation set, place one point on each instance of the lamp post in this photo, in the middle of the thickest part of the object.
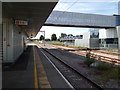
(44, 36)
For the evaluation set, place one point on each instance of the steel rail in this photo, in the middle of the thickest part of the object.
(103, 58)
(90, 81)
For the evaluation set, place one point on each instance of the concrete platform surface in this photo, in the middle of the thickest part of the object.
(20, 74)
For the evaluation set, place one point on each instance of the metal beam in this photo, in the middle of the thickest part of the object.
(77, 26)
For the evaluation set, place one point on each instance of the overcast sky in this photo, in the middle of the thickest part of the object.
(104, 7)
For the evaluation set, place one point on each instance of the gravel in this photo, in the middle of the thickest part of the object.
(77, 62)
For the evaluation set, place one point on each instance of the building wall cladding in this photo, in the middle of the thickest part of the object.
(118, 33)
(17, 43)
(108, 38)
(80, 19)
(7, 40)
(118, 27)
(108, 33)
(19, 39)
(85, 42)
(94, 42)
(12, 41)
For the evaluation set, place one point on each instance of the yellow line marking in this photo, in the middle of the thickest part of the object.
(35, 71)
(42, 77)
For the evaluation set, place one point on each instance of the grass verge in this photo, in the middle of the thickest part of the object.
(113, 73)
(104, 66)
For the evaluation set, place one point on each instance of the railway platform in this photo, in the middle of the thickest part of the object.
(21, 73)
(41, 68)
(32, 71)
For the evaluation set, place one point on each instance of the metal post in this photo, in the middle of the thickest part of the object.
(44, 38)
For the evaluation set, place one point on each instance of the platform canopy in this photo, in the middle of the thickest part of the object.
(35, 13)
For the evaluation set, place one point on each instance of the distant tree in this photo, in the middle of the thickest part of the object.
(58, 39)
(42, 37)
(53, 37)
(93, 35)
(97, 35)
(70, 34)
(47, 39)
(63, 35)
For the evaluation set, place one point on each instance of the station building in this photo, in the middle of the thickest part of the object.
(23, 20)
(118, 25)
(90, 39)
(108, 38)
(70, 37)
(99, 38)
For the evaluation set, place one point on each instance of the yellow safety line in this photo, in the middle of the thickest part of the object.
(42, 77)
(35, 72)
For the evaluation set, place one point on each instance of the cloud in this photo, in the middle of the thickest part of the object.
(108, 8)
(61, 6)
(68, 1)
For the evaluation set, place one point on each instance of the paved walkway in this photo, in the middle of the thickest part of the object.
(21, 74)
(32, 70)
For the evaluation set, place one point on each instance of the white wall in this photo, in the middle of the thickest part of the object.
(13, 44)
(17, 44)
(118, 33)
(7, 40)
(108, 33)
(83, 42)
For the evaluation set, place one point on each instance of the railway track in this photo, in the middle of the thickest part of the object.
(94, 54)
(99, 57)
(73, 76)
